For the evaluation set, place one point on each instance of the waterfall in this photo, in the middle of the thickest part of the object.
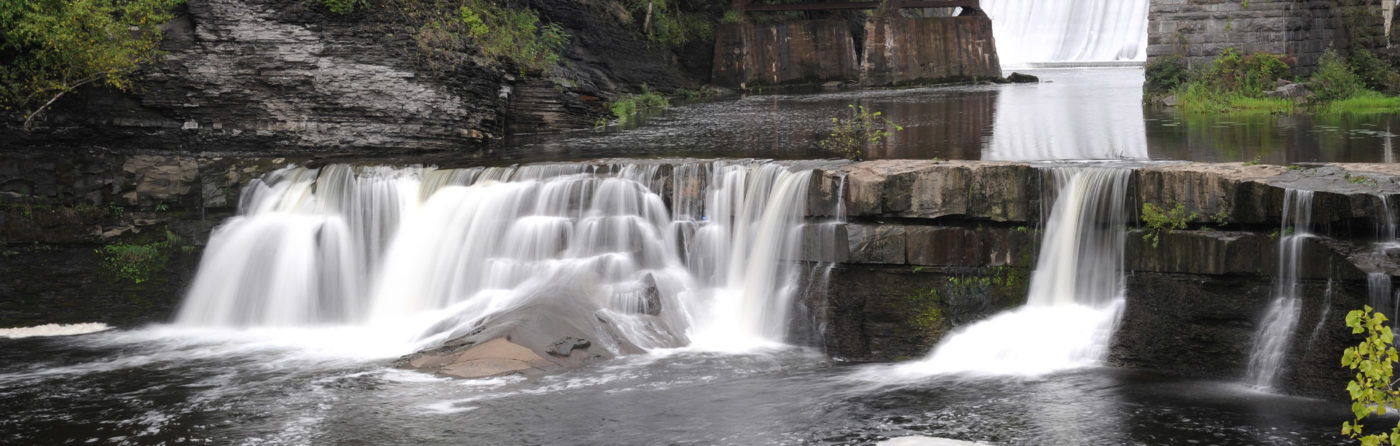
(452, 250)
(1068, 31)
(1378, 284)
(1075, 296)
(1271, 340)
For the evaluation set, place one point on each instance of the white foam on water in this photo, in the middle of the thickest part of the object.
(1075, 297)
(53, 330)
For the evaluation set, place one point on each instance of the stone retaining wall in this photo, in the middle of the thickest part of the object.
(1201, 29)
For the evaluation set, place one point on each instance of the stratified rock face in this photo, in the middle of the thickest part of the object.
(269, 76)
(1200, 30)
(933, 245)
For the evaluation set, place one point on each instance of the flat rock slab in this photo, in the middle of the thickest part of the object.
(495, 357)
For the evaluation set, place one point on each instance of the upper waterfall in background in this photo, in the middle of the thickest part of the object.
(1068, 31)
(432, 254)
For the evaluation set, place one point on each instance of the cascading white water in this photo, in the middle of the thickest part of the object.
(1076, 291)
(1378, 284)
(448, 250)
(1276, 329)
(1068, 31)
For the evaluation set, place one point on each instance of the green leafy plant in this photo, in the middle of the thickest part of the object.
(1334, 80)
(626, 107)
(1254, 162)
(344, 6)
(1221, 217)
(499, 33)
(1158, 220)
(1166, 73)
(53, 47)
(138, 262)
(850, 136)
(1373, 391)
(664, 22)
(1360, 179)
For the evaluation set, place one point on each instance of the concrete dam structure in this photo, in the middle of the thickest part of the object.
(884, 50)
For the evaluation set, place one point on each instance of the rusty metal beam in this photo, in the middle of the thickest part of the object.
(975, 4)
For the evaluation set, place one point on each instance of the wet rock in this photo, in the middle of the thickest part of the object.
(1297, 92)
(495, 357)
(1170, 100)
(566, 346)
(880, 244)
(1022, 78)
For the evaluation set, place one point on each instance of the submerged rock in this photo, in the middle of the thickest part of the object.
(567, 345)
(1022, 78)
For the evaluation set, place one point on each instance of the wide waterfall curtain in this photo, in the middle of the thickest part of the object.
(1031, 31)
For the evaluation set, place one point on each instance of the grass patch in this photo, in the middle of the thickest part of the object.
(1236, 84)
(626, 107)
(1363, 103)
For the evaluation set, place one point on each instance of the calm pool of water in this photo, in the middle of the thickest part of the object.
(1076, 113)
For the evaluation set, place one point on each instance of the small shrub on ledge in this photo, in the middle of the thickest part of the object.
(850, 136)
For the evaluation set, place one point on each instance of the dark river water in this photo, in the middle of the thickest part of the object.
(1074, 113)
(161, 385)
(165, 386)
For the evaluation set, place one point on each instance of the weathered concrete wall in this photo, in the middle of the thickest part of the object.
(895, 51)
(934, 245)
(1201, 29)
(906, 50)
(779, 53)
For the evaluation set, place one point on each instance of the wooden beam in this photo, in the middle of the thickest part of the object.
(976, 4)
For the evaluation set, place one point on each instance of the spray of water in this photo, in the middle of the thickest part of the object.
(1276, 329)
(425, 254)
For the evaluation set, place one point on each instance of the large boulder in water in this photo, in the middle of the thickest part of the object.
(548, 330)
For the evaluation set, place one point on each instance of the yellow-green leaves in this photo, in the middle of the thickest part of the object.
(1160, 220)
(60, 45)
(1374, 358)
(850, 136)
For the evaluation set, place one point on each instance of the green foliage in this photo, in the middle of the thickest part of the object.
(503, 33)
(1361, 179)
(1166, 73)
(1250, 75)
(1375, 73)
(850, 136)
(344, 6)
(51, 47)
(924, 312)
(731, 16)
(626, 107)
(138, 262)
(1221, 218)
(664, 22)
(1158, 220)
(1373, 390)
(1255, 162)
(1334, 80)
(1362, 103)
